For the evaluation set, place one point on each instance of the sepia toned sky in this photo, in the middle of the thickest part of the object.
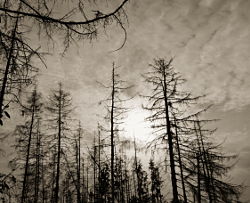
(209, 40)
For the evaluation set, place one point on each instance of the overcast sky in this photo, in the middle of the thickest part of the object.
(209, 40)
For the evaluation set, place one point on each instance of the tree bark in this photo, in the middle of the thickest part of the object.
(170, 141)
(180, 162)
(38, 154)
(7, 67)
(59, 147)
(112, 136)
(28, 155)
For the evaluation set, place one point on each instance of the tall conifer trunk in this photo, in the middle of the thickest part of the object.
(170, 140)
(58, 146)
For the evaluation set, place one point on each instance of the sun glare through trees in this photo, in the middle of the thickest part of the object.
(126, 101)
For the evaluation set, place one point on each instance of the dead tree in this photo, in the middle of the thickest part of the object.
(116, 112)
(26, 138)
(214, 168)
(16, 71)
(78, 19)
(190, 152)
(78, 164)
(171, 111)
(164, 81)
(39, 156)
(137, 174)
(59, 109)
(156, 183)
(179, 154)
(141, 183)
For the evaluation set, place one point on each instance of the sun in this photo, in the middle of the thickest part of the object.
(136, 126)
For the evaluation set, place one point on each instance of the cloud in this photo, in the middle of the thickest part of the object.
(209, 40)
(216, 59)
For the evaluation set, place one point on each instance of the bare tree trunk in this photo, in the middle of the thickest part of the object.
(99, 163)
(87, 184)
(180, 162)
(43, 182)
(59, 148)
(77, 174)
(38, 154)
(94, 161)
(28, 155)
(78, 164)
(53, 177)
(204, 160)
(83, 183)
(127, 183)
(170, 142)
(112, 136)
(198, 178)
(134, 183)
(7, 67)
(136, 171)
(121, 183)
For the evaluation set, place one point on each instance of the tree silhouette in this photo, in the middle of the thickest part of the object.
(17, 20)
(75, 20)
(164, 81)
(59, 108)
(78, 161)
(104, 182)
(156, 183)
(116, 111)
(172, 120)
(213, 166)
(16, 70)
(28, 144)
